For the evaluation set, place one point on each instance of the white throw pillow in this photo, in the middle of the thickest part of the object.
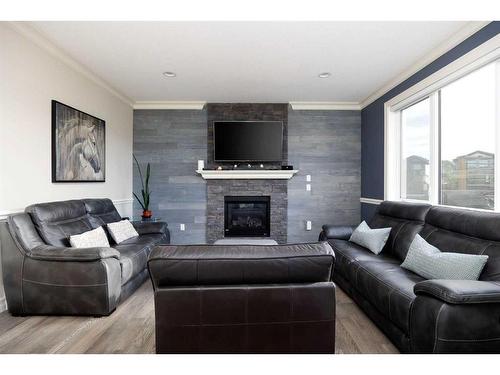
(373, 239)
(93, 238)
(122, 230)
(430, 263)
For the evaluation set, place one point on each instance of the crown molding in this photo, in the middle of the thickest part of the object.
(36, 37)
(194, 105)
(468, 30)
(325, 106)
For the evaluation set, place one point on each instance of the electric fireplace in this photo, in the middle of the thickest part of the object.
(246, 216)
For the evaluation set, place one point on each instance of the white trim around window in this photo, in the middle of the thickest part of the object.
(428, 87)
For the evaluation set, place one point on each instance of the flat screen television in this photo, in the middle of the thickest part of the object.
(248, 141)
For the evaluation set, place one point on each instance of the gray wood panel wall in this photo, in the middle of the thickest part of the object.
(326, 145)
(246, 112)
(173, 141)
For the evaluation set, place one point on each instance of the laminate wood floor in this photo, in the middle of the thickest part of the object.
(130, 329)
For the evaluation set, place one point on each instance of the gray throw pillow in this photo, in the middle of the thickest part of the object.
(373, 239)
(429, 262)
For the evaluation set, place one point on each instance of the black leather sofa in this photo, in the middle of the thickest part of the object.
(425, 316)
(244, 299)
(42, 275)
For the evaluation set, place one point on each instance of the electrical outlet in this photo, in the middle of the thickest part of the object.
(183, 227)
(308, 187)
(308, 178)
(308, 225)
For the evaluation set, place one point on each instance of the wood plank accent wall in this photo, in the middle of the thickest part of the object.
(173, 141)
(246, 112)
(327, 146)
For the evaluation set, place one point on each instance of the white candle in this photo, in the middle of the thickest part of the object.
(201, 164)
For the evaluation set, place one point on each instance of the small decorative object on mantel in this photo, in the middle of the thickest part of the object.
(78, 145)
(145, 192)
(201, 165)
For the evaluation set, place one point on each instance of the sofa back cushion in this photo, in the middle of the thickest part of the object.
(405, 219)
(57, 221)
(468, 232)
(101, 212)
(182, 265)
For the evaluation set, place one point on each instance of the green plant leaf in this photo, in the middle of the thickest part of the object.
(138, 200)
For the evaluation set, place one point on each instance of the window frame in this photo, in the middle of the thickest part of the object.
(430, 87)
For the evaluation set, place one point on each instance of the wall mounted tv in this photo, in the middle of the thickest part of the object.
(248, 141)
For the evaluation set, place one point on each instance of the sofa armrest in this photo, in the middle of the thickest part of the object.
(71, 254)
(336, 232)
(150, 227)
(460, 291)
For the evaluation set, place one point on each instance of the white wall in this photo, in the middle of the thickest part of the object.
(30, 77)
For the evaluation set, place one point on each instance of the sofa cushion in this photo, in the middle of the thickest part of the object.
(134, 254)
(347, 252)
(405, 219)
(57, 221)
(468, 232)
(388, 287)
(101, 211)
(240, 264)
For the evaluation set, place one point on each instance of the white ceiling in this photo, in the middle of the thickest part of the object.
(248, 61)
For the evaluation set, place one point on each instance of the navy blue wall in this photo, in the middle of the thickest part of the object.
(372, 118)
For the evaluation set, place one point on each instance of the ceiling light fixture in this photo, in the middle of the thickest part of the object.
(324, 75)
(169, 74)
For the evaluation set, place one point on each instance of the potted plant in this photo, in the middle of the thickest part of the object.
(145, 192)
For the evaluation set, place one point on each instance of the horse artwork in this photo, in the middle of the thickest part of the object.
(78, 145)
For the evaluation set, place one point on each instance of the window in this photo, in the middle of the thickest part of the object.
(447, 141)
(468, 140)
(415, 151)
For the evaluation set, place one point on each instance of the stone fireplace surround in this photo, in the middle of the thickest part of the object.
(276, 189)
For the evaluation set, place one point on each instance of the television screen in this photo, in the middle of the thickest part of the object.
(244, 141)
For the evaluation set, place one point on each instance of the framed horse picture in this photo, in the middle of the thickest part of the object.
(78, 145)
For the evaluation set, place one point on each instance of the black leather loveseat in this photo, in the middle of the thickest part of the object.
(425, 316)
(43, 275)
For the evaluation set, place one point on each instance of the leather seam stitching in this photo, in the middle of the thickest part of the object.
(63, 285)
(436, 328)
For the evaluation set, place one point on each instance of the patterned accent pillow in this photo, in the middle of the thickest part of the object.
(93, 238)
(373, 239)
(429, 262)
(122, 231)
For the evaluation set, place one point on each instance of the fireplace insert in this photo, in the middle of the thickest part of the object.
(247, 216)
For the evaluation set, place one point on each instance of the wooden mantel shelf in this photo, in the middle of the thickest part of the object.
(253, 174)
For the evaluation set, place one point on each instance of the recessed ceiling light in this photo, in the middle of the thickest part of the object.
(169, 74)
(324, 75)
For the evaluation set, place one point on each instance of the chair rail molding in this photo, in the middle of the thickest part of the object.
(370, 201)
(122, 205)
